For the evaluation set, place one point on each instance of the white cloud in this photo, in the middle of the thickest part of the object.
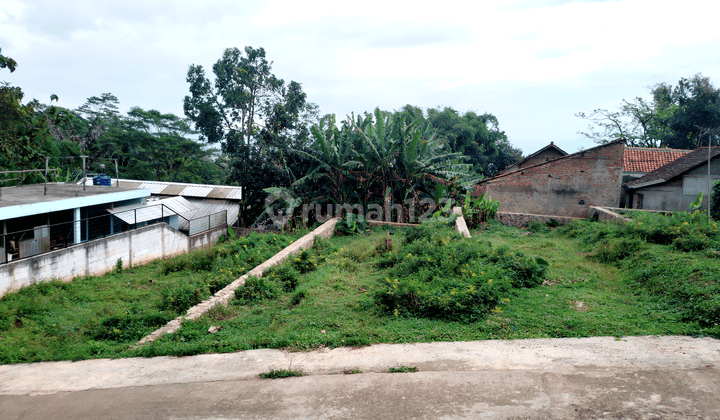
(532, 63)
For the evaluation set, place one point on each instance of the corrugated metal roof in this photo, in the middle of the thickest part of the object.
(141, 213)
(219, 192)
(179, 205)
(209, 206)
(181, 189)
(173, 190)
(235, 194)
(154, 187)
(196, 191)
(123, 184)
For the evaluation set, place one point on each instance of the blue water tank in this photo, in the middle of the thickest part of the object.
(102, 180)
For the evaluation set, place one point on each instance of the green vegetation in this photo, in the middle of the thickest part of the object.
(103, 316)
(679, 117)
(593, 279)
(281, 373)
(403, 369)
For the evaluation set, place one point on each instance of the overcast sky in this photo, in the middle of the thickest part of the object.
(533, 64)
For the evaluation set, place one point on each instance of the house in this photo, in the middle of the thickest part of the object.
(61, 231)
(673, 186)
(547, 153)
(40, 217)
(192, 201)
(565, 186)
(640, 161)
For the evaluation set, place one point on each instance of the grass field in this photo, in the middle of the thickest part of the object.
(338, 300)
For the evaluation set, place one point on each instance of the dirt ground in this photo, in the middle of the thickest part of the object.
(589, 378)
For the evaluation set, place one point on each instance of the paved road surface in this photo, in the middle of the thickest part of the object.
(592, 378)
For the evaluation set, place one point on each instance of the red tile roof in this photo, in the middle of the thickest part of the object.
(645, 159)
(678, 167)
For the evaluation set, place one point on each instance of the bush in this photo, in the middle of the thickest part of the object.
(715, 202)
(285, 275)
(129, 326)
(199, 260)
(438, 274)
(256, 289)
(614, 250)
(537, 227)
(182, 296)
(304, 262)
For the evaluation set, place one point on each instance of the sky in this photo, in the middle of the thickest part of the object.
(532, 64)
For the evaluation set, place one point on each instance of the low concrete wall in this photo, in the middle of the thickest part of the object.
(460, 224)
(602, 213)
(223, 296)
(521, 219)
(207, 238)
(134, 247)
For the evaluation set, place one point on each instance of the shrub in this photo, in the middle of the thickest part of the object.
(182, 296)
(199, 260)
(438, 274)
(715, 201)
(304, 262)
(614, 250)
(130, 326)
(537, 227)
(285, 275)
(298, 297)
(256, 289)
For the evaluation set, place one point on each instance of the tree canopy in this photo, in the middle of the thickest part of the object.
(679, 117)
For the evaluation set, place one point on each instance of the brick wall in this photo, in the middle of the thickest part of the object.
(567, 186)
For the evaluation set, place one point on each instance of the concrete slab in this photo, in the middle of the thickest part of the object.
(593, 378)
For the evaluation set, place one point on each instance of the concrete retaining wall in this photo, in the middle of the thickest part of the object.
(606, 214)
(521, 219)
(223, 296)
(134, 247)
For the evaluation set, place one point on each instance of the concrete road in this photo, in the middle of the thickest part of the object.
(593, 378)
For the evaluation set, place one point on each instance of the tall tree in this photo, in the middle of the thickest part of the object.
(255, 117)
(676, 117)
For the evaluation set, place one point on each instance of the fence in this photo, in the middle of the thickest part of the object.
(46, 238)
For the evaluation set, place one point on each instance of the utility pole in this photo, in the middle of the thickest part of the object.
(117, 175)
(47, 161)
(84, 173)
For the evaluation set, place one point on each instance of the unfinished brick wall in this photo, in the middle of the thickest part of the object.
(567, 186)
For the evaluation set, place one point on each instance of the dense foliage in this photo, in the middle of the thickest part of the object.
(679, 117)
(440, 274)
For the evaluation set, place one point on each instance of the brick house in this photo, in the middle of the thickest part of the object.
(565, 186)
(672, 187)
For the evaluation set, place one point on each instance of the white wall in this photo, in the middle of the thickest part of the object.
(134, 247)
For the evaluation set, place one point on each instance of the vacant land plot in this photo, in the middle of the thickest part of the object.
(103, 316)
(584, 279)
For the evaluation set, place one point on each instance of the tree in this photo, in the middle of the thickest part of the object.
(675, 118)
(255, 117)
(476, 136)
(163, 143)
(7, 62)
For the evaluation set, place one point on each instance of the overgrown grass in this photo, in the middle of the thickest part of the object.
(600, 280)
(579, 297)
(103, 316)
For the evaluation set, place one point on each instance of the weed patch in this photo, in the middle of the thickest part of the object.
(403, 369)
(281, 373)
